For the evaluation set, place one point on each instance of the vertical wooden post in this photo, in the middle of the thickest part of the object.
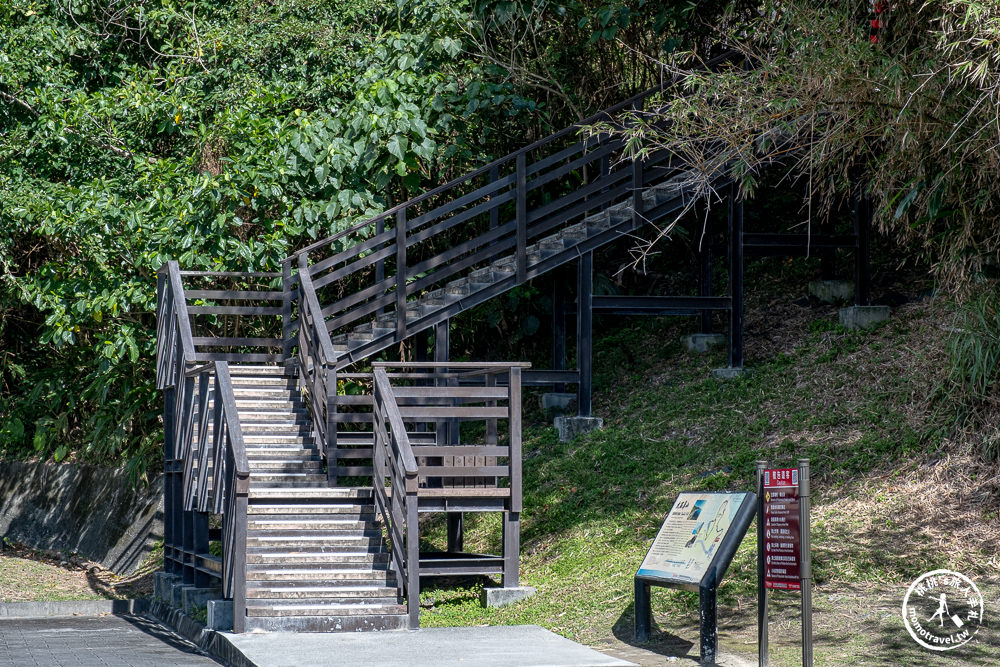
(862, 249)
(412, 561)
(638, 203)
(512, 518)
(401, 274)
(558, 325)
(331, 424)
(735, 278)
(584, 330)
(705, 276)
(240, 550)
(380, 264)
(522, 218)
(287, 340)
(200, 525)
(494, 210)
(169, 501)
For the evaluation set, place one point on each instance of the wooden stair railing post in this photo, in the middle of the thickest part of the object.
(735, 277)
(584, 330)
(862, 250)
(558, 326)
(412, 553)
(238, 489)
(705, 275)
(522, 217)
(512, 517)
(405, 470)
(380, 264)
(401, 273)
(287, 325)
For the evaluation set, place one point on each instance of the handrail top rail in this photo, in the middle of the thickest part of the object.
(407, 459)
(451, 364)
(663, 85)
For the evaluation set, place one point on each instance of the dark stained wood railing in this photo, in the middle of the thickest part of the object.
(203, 475)
(317, 367)
(503, 210)
(422, 464)
(394, 486)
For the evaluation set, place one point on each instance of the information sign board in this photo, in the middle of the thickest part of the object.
(690, 537)
(782, 548)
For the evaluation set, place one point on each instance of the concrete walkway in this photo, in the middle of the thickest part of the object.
(500, 646)
(101, 641)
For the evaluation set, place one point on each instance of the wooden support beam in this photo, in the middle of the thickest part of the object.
(584, 331)
(735, 278)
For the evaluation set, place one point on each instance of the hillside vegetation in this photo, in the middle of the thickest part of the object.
(897, 491)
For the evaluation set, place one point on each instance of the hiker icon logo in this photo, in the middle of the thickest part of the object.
(942, 610)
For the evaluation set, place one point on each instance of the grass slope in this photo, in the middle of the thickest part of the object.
(893, 497)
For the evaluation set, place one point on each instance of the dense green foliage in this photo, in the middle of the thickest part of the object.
(219, 134)
(224, 135)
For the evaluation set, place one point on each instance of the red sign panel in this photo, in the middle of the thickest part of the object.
(782, 552)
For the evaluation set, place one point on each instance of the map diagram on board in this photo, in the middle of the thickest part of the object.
(690, 536)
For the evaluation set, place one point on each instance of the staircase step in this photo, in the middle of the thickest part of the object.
(311, 608)
(349, 559)
(266, 466)
(301, 523)
(299, 538)
(369, 623)
(336, 493)
(320, 573)
(321, 512)
(278, 439)
(336, 593)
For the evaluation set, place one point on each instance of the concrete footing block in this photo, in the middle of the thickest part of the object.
(703, 342)
(571, 427)
(832, 291)
(194, 598)
(862, 317)
(499, 597)
(220, 615)
(729, 373)
(163, 585)
(557, 402)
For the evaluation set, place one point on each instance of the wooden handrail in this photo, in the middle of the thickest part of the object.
(242, 471)
(399, 436)
(180, 310)
(310, 302)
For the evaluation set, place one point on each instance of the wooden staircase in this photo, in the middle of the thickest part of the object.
(300, 551)
(316, 560)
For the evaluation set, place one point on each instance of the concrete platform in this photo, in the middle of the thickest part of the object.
(101, 641)
(499, 646)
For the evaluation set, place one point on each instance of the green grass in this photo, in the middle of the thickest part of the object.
(852, 402)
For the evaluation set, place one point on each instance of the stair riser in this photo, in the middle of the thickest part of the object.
(338, 557)
(291, 527)
(327, 623)
(385, 596)
(289, 609)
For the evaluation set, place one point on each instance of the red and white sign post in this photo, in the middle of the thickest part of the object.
(783, 550)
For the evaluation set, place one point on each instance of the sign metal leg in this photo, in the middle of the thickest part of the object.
(642, 611)
(709, 604)
(762, 660)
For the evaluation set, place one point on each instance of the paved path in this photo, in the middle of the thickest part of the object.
(104, 641)
(496, 646)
